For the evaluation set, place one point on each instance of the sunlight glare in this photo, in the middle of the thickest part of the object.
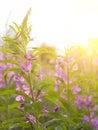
(60, 23)
(64, 23)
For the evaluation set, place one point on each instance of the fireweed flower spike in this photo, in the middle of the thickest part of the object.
(92, 119)
(88, 101)
(27, 67)
(94, 123)
(79, 101)
(60, 73)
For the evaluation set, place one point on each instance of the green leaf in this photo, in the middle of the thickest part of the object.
(6, 50)
(10, 61)
(50, 122)
(15, 28)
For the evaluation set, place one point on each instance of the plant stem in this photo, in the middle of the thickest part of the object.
(30, 84)
(68, 85)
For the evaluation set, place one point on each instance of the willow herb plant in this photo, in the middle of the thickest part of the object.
(21, 86)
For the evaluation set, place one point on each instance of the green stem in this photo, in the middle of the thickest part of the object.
(31, 86)
(68, 85)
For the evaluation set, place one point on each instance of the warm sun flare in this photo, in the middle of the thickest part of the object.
(64, 23)
(57, 22)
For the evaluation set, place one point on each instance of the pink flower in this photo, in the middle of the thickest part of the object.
(29, 56)
(17, 77)
(19, 81)
(60, 73)
(79, 101)
(31, 118)
(64, 97)
(94, 122)
(8, 55)
(19, 98)
(76, 89)
(88, 102)
(21, 106)
(26, 89)
(1, 57)
(9, 65)
(95, 108)
(10, 74)
(3, 67)
(86, 118)
(19, 60)
(27, 67)
(51, 62)
(18, 86)
(56, 108)
(92, 114)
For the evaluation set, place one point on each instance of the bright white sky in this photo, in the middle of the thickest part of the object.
(56, 22)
